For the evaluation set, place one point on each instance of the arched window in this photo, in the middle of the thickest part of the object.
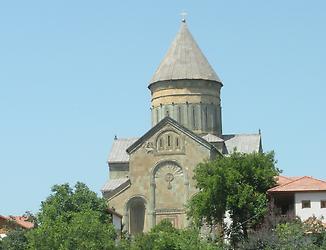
(193, 118)
(168, 142)
(214, 119)
(161, 144)
(179, 114)
(206, 118)
(177, 143)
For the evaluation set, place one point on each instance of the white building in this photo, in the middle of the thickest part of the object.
(303, 197)
(116, 220)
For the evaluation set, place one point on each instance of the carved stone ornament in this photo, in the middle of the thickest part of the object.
(169, 178)
(149, 146)
(168, 173)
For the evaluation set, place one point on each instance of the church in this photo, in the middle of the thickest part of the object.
(151, 176)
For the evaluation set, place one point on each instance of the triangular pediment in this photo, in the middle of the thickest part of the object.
(168, 122)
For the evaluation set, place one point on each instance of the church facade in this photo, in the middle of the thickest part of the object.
(151, 177)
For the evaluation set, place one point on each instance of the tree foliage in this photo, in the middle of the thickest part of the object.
(72, 219)
(287, 236)
(165, 237)
(237, 184)
(15, 240)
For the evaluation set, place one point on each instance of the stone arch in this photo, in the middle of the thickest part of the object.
(166, 162)
(135, 214)
(169, 188)
(166, 141)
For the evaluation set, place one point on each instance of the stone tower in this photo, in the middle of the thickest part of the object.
(186, 88)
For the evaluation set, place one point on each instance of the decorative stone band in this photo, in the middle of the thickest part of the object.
(169, 211)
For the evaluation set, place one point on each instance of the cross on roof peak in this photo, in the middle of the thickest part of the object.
(183, 15)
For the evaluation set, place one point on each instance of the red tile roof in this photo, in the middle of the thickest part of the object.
(305, 183)
(281, 180)
(19, 220)
(23, 221)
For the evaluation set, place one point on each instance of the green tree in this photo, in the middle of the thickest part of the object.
(165, 237)
(16, 236)
(72, 219)
(237, 184)
(15, 240)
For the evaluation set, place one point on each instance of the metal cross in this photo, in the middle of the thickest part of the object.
(183, 15)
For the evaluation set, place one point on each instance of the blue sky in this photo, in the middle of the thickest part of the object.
(75, 73)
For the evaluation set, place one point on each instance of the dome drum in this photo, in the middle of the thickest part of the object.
(182, 91)
(201, 118)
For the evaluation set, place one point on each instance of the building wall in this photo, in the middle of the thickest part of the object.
(195, 104)
(201, 118)
(118, 170)
(162, 178)
(116, 220)
(315, 209)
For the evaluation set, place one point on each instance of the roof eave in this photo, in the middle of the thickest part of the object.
(117, 162)
(151, 83)
(294, 191)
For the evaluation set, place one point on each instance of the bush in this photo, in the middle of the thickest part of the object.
(15, 240)
(287, 236)
(165, 237)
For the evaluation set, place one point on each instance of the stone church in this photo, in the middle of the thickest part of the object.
(151, 176)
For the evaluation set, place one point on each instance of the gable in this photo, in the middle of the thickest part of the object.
(169, 135)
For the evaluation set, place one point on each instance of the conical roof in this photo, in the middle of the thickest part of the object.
(184, 60)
